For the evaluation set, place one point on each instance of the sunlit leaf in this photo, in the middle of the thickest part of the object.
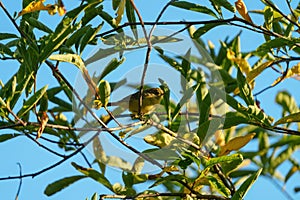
(294, 71)
(236, 144)
(120, 12)
(242, 9)
(287, 102)
(245, 89)
(223, 159)
(219, 186)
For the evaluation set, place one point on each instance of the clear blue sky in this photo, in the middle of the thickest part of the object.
(33, 158)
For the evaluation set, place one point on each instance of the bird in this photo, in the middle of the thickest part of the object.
(150, 98)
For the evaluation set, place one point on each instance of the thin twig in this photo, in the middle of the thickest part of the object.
(181, 195)
(20, 184)
(141, 89)
(53, 165)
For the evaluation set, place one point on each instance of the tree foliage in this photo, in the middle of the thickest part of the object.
(195, 145)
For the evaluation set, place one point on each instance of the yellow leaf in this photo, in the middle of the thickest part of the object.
(32, 7)
(160, 139)
(235, 144)
(52, 9)
(120, 12)
(295, 70)
(242, 9)
(61, 8)
(256, 71)
(241, 62)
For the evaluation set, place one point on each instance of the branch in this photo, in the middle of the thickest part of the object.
(53, 165)
(181, 195)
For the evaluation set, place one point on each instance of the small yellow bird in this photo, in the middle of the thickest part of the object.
(150, 98)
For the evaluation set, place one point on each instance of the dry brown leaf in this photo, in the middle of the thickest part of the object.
(242, 9)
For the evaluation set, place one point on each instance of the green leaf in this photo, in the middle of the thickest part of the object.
(241, 192)
(275, 43)
(295, 117)
(218, 185)
(94, 175)
(185, 98)
(70, 58)
(39, 25)
(204, 29)
(19, 89)
(5, 137)
(4, 49)
(281, 157)
(228, 167)
(111, 66)
(63, 105)
(234, 119)
(103, 53)
(76, 37)
(194, 7)
(61, 184)
(62, 31)
(207, 129)
(91, 13)
(31, 102)
(175, 178)
(225, 4)
(104, 91)
(131, 18)
(287, 102)
(245, 89)
(223, 159)
(89, 36)
(4, 36)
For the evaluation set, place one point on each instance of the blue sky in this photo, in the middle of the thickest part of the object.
(32, 157)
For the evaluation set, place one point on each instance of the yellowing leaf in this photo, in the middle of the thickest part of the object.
(241, 62)
(61, 8)
(32, 7)
(120, 12)
(160, 139)
(235, 144)
(256, 71)
(52, 9)
(242, 9)
(295, 70)
(39, 5)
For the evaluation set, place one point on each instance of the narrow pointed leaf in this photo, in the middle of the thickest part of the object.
(295, 117)
(61, 184)
(242, 191)
(32, 101)
(194, 7)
